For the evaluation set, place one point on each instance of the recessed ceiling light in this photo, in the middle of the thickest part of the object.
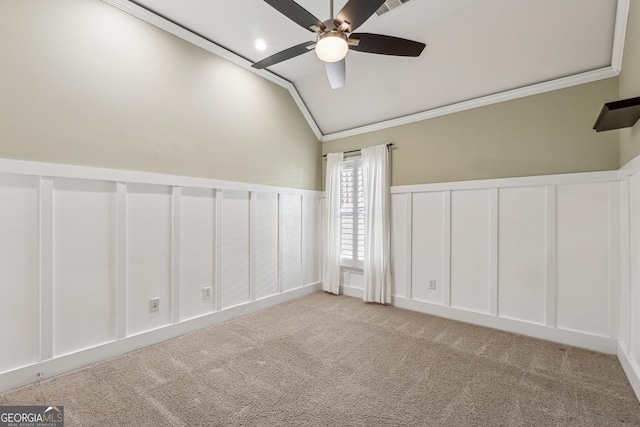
(260, 44)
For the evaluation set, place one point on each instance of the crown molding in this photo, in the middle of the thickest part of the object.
(620, 31)
(562, 83)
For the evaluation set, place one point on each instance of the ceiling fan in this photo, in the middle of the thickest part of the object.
(335, 37)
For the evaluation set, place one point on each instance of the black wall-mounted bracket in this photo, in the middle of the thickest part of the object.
(618, 115)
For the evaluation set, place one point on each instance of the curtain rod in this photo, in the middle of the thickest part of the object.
(389, 145)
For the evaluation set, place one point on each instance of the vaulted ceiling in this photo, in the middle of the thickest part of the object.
(478, 52)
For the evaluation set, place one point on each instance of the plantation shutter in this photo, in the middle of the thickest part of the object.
(352, 214)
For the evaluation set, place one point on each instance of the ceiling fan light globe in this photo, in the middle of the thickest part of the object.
(332, 47)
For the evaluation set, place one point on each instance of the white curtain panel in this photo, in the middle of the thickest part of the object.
(332, 241)
(377, 228)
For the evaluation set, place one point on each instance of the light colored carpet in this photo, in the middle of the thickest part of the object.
(327, 360)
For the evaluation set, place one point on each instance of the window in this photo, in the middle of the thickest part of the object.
(352, 213)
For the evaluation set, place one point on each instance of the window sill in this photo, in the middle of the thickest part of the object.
(354, 269)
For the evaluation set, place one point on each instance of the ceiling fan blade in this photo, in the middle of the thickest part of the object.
(336, 73)
(292, 52)
(355, 13)
(297, 14)
(385, 45)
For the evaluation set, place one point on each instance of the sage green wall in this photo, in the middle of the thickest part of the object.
(549, 133)
(630, 82)
(84, 83)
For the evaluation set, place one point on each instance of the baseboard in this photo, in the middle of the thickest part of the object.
(36, 372)
(562, 336)
(630, 368)
(573, 338)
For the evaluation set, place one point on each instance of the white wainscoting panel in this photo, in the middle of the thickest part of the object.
(470, 250)
(522, 254)
(291, 240)
(97, 244)
(428, 236)
(629, 332)
(84, 264)
(83, 251)
(197, 251)
(534, 255)
(356, 279)
(624, 332)
(311, 233)
(400, 224)
(583, 258)
(235, 248)
(633, 343)
(19, 304)
(148, 256)
(266, 241)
